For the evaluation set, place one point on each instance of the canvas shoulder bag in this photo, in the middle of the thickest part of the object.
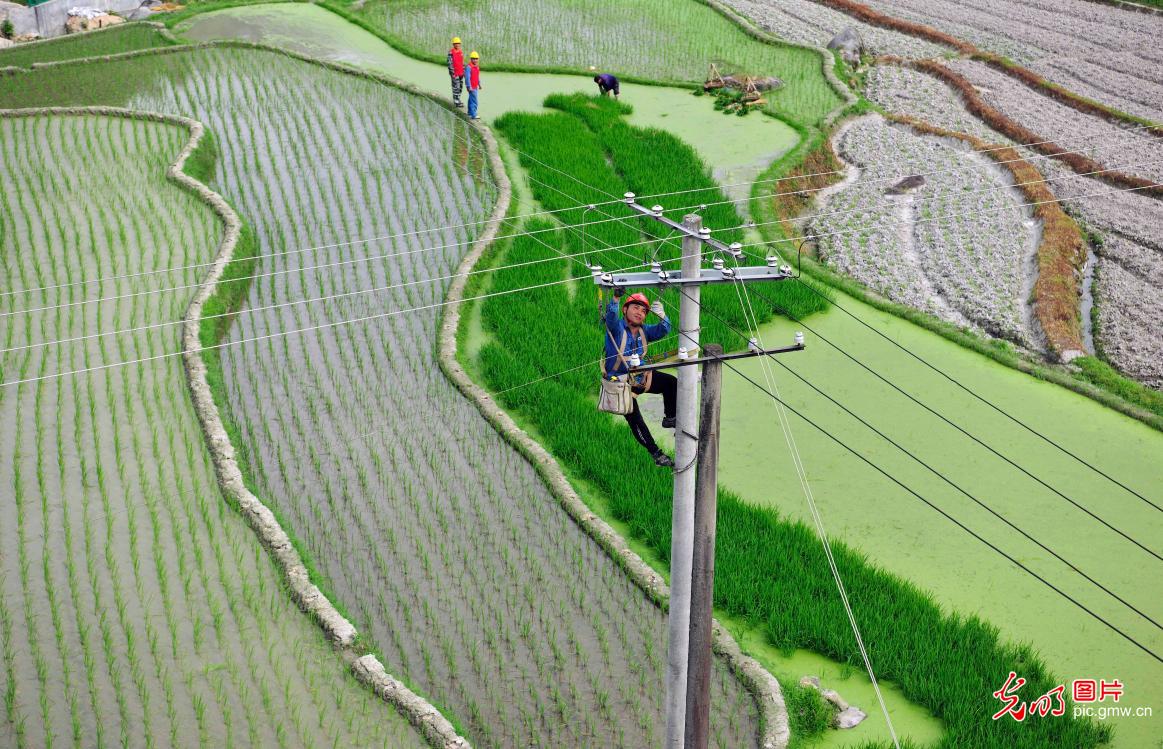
(616, 395)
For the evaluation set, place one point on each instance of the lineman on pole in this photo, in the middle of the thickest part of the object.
(626, 341)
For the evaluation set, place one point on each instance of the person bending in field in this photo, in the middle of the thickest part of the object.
(607, 84)
(456, 70)
(626, 336)
(474, 83)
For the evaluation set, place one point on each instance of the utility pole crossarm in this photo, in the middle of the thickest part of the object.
(677, 278)
(694, 236)
(673, 363)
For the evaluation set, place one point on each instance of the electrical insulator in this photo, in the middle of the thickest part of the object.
(799, 339)
(737, 250)
(657, 210)
(773, 261)
(656, 267)
(717, 263)
(753, 345)
(682, 352)
(629, 197)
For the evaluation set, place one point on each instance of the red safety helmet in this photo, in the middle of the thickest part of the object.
(635, 299)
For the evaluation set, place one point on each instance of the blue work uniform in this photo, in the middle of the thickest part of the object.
(615, 326)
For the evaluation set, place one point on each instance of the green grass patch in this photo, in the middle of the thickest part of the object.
(769, 572)
(666, 41)
(1098, 372)
(114, 40)
(808, 713)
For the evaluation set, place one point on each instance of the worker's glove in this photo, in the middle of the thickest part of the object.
(618, 292)
(657, 308)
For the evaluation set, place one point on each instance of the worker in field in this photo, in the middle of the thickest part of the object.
(456, 70)
(627, 336)
(474, 83)
(607, 84)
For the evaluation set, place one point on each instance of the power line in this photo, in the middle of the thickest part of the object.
(815, 235)
(1031, 572)
(280, 334)
(351, 261)
(385, 237)
(1040, 435)
(949, 517)
(817, 517)
(948, 421)
(961, 489)
(330, 297)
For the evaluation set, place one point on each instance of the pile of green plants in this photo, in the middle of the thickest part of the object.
(769, 572)
(729, 101)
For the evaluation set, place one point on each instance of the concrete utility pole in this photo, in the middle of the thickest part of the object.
(682, 526)
(690, 639)
(698, 690)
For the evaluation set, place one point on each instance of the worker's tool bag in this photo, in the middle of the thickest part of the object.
(616, 396)
(617, 393)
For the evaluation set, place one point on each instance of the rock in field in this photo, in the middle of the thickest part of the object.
(849, 44)
(849, 718)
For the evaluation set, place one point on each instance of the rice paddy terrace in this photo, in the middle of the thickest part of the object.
(467, 579)
(438, 540)
(137, 608)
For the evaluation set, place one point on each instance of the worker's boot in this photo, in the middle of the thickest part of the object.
(662, 459)
(668, 422)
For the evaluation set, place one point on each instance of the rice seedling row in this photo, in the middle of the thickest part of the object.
(1128, 227)
(1051, 120)
(1105, 53)
(666, 41)
(976, 268)
(131, 587)
(810, 23)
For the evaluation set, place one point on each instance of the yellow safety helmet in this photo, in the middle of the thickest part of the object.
(474, 55)
(456, 40)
